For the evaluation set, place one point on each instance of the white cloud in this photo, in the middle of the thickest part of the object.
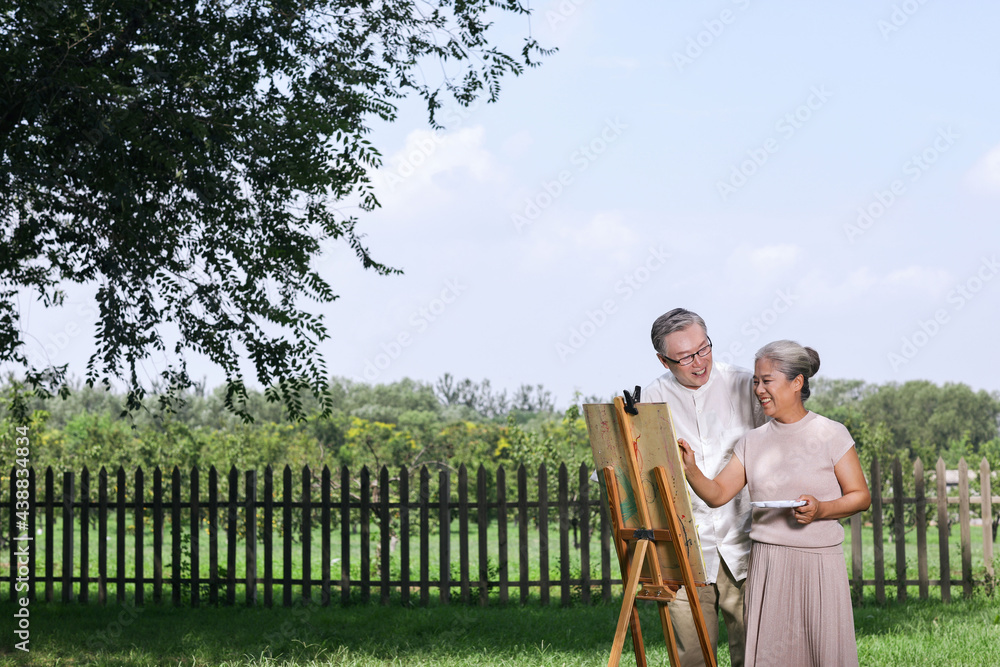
(984, 176)
(432, 167)
(763, 264)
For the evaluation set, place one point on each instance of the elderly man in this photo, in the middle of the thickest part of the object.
(713, 406)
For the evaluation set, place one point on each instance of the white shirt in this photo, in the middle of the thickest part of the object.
(711, 419)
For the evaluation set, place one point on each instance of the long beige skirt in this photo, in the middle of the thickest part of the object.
(797, 608)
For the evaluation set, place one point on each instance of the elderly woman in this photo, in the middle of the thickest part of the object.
(798, 603)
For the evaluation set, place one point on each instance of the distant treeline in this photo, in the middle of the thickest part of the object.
(450, 422)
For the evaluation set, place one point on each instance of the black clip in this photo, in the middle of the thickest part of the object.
(642, 534)
(631, 400)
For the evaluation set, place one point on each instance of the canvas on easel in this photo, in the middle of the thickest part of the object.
(642, 477)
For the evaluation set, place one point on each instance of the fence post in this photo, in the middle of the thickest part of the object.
(986, 503)
(543, 533)
(444, 509)
(102, 537)
(250, 516)
(268, 536)
(944, 531)
(84, 536)
(286, 535)
(326, 528)
(404, 536)
(463, 533)
(139, 530)
(965, 529)
(857, 560)
(877, 543)
(522, 531)
(483, 516)
(67, 537)
(503, 562)
(425, 535)
(345, 535)
(563, 503)
(384, 532)
(918, 482)
(899, 533)
(175, 534)
(195, 538)
(306, 533)
(233, 504)
(120, 536)
(584, 512)
(213, 535)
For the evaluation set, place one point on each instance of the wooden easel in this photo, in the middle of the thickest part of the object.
(635, 449)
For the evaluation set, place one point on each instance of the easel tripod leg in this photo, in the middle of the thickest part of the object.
(628, 601)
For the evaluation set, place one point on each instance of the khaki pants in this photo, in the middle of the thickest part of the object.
(725, 595)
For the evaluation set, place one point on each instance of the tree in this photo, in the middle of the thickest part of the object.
(190, 158)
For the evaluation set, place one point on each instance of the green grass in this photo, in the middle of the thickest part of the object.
(964, 632)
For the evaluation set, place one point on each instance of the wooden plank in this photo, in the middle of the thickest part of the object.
(899, 529)
(543, 533)
(306, 533)
(965, 526)
(384, 533)
(584, 514)
(365, 536)
(921, 518)
(425, 536)
(564, 527)
(50, 532)
(877, 540)
(195, 537)
(345, 535)
(286, 536)
(944, 531)
(654, 422)
(67, 537)
(102, 536)
(325, 528)
(175, 535)
(84, 536)
(213, 535)
(444, 530)
(250, 526)
(605, 553)
(857, 560)
(483, 521)
(32, 529)
(233, 505)
(139, 521)
(120, 569)
(986, 511)
(522, 532)
(463, 533)
(268, 536)
(503, 563)
(404, 536)
(158, 518)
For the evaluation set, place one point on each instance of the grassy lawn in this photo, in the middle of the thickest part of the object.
(964, 632)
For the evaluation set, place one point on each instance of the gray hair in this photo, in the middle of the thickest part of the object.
(792, 360)
(675, 320)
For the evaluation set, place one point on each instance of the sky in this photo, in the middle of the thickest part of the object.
(823, 172)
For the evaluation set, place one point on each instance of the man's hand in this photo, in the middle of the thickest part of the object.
(687, 456)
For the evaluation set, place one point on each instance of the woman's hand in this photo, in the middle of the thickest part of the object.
(809, 512)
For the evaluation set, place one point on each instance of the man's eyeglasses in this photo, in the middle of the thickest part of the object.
(689, 359)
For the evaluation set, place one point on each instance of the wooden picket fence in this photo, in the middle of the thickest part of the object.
(259, 519)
